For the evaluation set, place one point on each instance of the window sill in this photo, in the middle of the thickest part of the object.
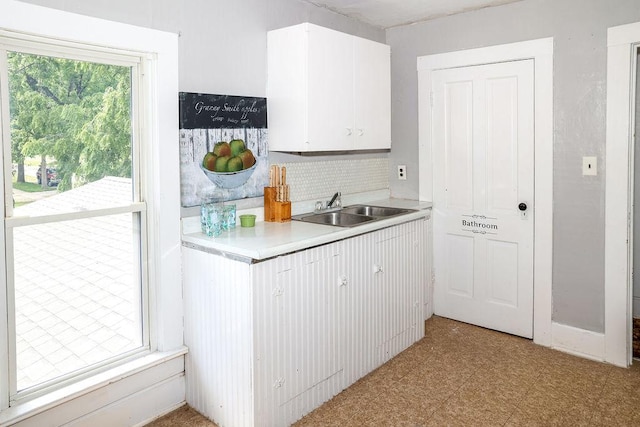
(24, 410)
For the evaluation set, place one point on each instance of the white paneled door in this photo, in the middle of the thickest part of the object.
(483, 133)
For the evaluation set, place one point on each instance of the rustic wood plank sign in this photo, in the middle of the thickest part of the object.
(206, 120)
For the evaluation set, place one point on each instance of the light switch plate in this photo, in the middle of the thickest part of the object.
(590, 165)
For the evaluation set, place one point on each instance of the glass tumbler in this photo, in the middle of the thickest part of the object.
(204, 212)
(214, 220)
(229, 216)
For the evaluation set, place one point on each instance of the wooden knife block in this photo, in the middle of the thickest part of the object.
(275, 211)
(269, 201)
(282, 211)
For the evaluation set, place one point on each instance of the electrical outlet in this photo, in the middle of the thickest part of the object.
(402, 172)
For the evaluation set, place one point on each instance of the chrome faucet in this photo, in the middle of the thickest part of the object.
(336, 198)
(334, 204)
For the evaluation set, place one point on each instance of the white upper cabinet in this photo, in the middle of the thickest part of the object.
(372, 95)
(327, 91)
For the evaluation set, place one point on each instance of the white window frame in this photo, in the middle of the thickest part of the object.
(159, 181)
(134, 61)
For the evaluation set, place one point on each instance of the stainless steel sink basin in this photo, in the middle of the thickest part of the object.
(338, 218)
(375, 211)
(352, 216)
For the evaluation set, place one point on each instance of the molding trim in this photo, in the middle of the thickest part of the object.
(541, 51)
(579, 342)
(140, 389)
(618, 244)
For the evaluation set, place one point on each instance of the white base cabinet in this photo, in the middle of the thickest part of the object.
(271, 341)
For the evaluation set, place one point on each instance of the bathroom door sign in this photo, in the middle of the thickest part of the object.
(479, 224)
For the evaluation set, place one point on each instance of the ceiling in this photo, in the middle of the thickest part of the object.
(394, 13)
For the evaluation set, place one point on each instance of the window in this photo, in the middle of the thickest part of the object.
(75, 218)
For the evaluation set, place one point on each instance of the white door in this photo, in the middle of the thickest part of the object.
(483, 179)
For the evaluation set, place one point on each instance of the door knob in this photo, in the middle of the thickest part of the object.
(522, 206)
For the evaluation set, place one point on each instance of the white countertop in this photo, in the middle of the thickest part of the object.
(270, 239)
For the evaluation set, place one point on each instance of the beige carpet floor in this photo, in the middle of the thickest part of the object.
(462, 375)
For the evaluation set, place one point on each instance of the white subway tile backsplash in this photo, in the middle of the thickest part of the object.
(318, 180)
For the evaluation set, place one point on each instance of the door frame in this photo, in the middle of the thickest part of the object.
(541, 51)
(622, 42)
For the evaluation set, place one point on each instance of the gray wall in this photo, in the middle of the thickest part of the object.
(223, 43)
(579, 29)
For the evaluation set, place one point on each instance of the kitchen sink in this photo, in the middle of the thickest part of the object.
(352, 216)
(338, 218)
(375, 211)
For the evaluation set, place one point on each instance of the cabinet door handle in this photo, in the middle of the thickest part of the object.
(377, 268)
(349, 131)
(360, 132)
(343, 281)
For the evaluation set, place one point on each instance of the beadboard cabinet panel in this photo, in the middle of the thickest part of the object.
(271, 341)
(218, 330)
(299, 322)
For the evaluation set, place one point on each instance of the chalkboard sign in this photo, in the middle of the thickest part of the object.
(206, 111)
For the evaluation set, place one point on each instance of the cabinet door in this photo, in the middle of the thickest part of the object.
(384, 295)
(372, 95)
(308, 322)
(399, 287)
(287, 97)
(362, 304)
(330, 90)
(298, 326)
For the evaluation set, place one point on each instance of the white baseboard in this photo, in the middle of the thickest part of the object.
(579, 342)
(129, 398)
(140, 408)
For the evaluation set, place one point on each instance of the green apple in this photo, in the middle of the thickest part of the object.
(222, 149)
(237, 146)
(209, 161)
(234, 164)
(221, 163)
(247, 159)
